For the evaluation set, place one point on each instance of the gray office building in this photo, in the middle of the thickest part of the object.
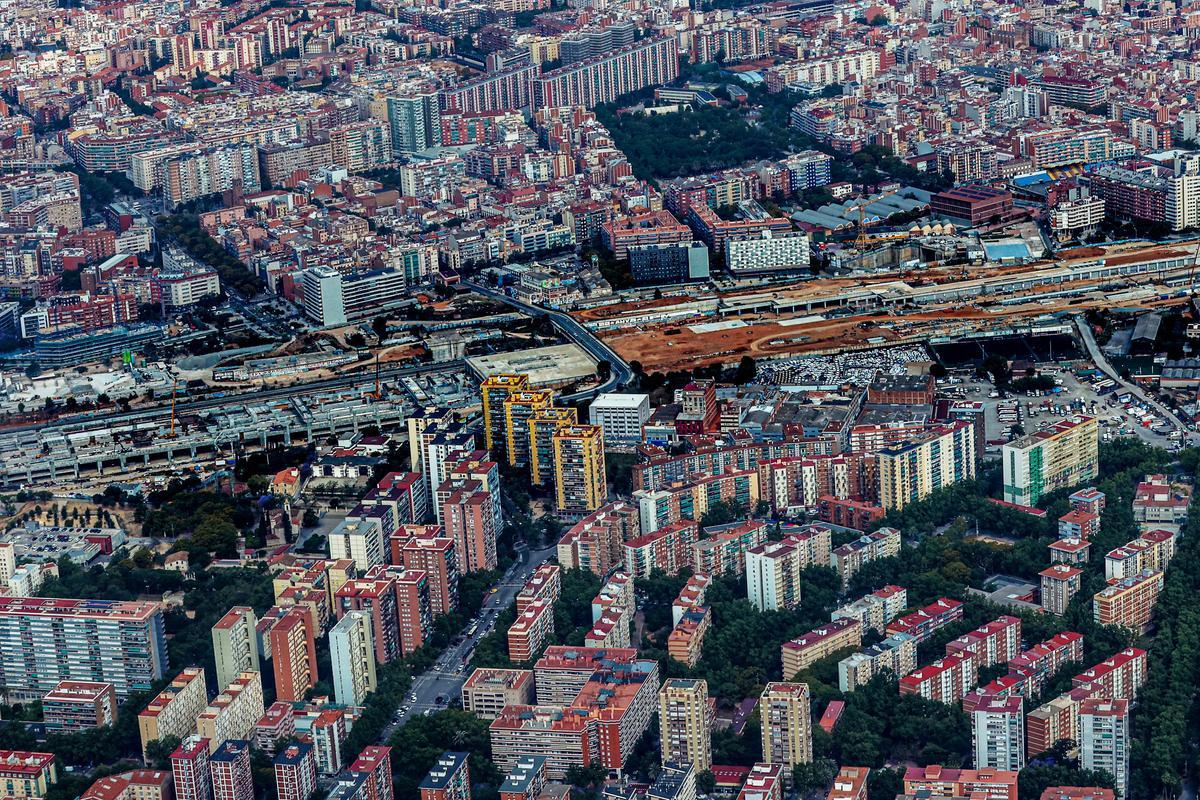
(677, 262)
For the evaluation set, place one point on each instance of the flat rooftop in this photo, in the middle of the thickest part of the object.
(546, 366)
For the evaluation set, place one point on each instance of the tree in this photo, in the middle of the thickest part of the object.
(706, 782)
(747, 370)
(158, 752)
(586, 777)
(603, 370)
(380, 327)
(815, 776)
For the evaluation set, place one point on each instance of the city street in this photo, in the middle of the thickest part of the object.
(447, 676)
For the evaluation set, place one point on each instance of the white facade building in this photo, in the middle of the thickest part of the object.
(767, 252)
(352, 652)
(620, 416)
(998, 727)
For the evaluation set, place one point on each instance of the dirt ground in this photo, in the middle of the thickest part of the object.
(122, 518)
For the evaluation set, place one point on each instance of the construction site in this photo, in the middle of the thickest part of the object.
(929, 303)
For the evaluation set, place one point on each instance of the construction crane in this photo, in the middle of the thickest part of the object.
(862, 240)
(1192, 273)
(174, 392)
(378, 393)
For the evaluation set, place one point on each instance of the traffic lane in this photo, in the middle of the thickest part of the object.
(449, 673)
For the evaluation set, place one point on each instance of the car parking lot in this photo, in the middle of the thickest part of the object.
(1119, 414)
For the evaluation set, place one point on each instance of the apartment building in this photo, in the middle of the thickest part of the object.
(911, 470)
(922, 623)
(293, 652)
(947, 680)
(612, 613)
(360, 146)
(723, 549)
(1074, 552)
(27, 775)
(685, 716)
(763, 782)
(1063, 455)
(691, 498)
(786, 716)
(234, 712)
(173, 712)
(352, 655)
(543, 425)
(374, 764)
(998, 728)
(1089, 499)
(377, 598)
(278, 722)
(494, 392)
(997, 642)
(362, 536)
(651, 61)
(519, 409)
(134, 784)
(414, 619)
(232, 778)
(209, 171)
(1038, 663)
(295, 771)
(437, 557)
(767, 251)
(1060, 582)
(876, 609)
(651, 228)
(1104, 739)
(448, 779)
(405, 492)
(597, 541)
(526, 780)
(74, 706)
(1156, 501)
(1119, 676)
(1078, 524)
(530, 631)
(1151, 551)
(580, 485)
(545, 584)
(328, 730)
(685, 643)
(1128, 602)
(235, 644)
(469, 517)
(489, 689)
(896, 654)
(570, 729)
(938, 781)
(850, 557)
(801, 652)
(666, 548)
(102, 641)
(190, 769)
(773, 568)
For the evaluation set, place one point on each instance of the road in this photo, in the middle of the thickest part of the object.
(253, 395)
(448, 675)
(1102, 364)
(567, 326)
